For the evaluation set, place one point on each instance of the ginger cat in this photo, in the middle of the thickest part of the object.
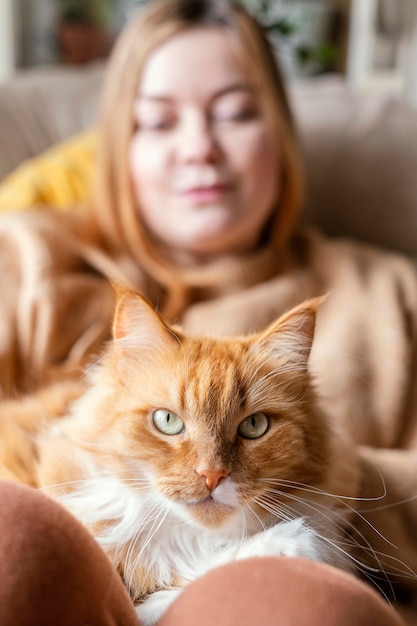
(186, 452)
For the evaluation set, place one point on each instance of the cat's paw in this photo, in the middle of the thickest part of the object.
(151, 610)
(294, 539)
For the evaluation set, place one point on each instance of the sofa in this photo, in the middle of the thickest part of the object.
(42, 107)
(360, 150)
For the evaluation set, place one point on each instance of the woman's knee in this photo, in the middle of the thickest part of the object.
(51, 568)
(271, 591)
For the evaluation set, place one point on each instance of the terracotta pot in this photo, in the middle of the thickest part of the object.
(82, 42)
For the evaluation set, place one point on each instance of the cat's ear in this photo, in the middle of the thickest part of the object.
(292, 334)
(137, 326)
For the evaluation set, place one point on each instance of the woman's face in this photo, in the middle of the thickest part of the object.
(203, 162)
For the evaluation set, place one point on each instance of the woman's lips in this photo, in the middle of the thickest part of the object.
(204, 195)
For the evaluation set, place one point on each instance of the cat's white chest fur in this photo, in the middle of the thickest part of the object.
(163, 541)
(293, 538)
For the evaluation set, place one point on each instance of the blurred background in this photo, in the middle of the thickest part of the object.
(351, 67)
(371, 42)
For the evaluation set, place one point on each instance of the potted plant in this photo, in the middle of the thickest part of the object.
(83, 30)
(300, 31)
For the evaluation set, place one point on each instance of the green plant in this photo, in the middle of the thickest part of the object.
(265, 11)
(84, 11)
(286, 31)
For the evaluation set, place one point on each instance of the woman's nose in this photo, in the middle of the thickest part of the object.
(197, 142)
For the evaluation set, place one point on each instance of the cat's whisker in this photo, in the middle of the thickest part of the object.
(313, 489)
(101, 484)
(255, 514)
(318, 507)
(244, 526)
(160, 516)
(278, 510)
(364, 568)
(337, 548)
(339, 498)
(354, 511)
(68, 483)
(152, 516)
(136, 481)
(383, 507)
(389, 561)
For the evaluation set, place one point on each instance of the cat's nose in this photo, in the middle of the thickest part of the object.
(213, 477)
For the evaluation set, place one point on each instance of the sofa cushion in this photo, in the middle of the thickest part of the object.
(361, 161)
(41, 107)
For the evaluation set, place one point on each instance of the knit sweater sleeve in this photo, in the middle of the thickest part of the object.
(56, 309)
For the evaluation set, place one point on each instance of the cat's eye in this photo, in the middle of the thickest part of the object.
(253, 426)
(167, 422)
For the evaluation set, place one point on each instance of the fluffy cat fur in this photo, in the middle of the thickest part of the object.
(186, 452)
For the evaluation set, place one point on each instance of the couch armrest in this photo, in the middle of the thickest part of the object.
(41, 107)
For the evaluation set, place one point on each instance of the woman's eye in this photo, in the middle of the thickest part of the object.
(240, 115)
(236, 107)
(154, 118)
(156, 125)
(167, 422)
(254, 426)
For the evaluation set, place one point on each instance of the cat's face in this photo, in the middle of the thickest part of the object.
(211, 424)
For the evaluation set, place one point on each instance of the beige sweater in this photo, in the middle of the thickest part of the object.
(57, 306)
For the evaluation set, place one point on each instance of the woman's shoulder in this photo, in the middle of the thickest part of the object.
(357, 269)
(341, 254)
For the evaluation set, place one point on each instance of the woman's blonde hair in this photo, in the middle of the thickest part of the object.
(114, 201)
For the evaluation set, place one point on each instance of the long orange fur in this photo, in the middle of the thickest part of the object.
(213, 384)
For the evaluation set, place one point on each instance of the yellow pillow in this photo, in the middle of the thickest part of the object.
(59, 178)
